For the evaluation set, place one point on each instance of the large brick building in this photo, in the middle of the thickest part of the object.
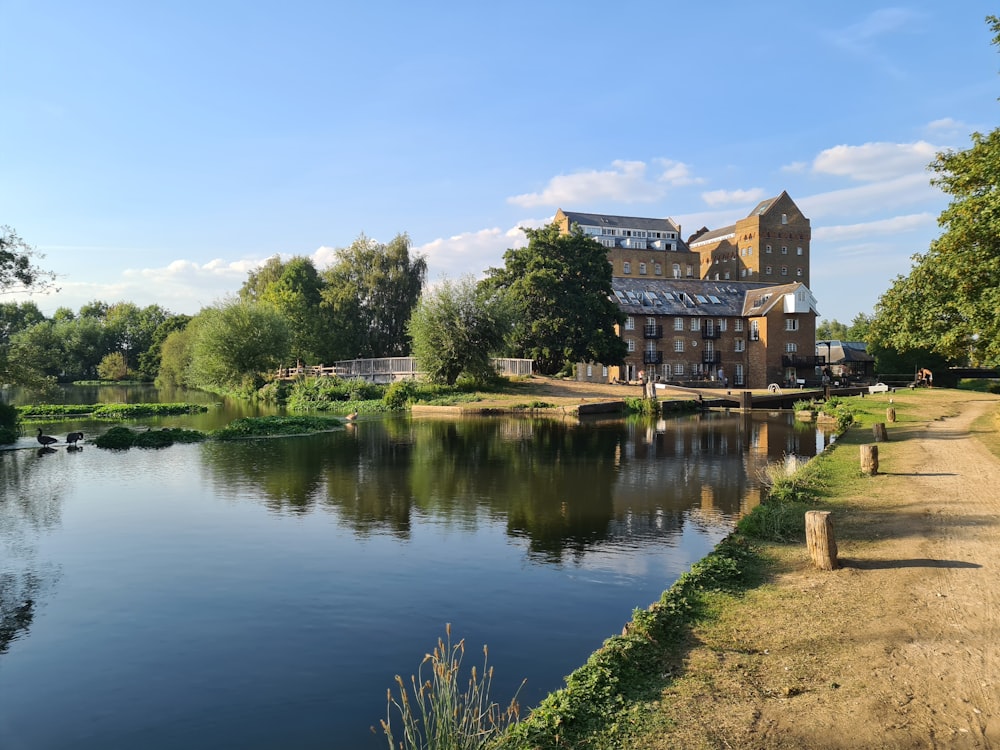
(732, 303)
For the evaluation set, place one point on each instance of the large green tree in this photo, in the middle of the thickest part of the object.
(18, 271)
(948, 302)
(236, 344)
(559, 288)
(371, 290)
(456, 328)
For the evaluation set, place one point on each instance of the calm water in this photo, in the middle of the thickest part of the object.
(264, 594)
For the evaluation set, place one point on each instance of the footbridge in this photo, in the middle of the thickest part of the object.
(774, 397)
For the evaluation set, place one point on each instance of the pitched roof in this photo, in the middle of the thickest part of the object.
(621, 222)
(682, 297)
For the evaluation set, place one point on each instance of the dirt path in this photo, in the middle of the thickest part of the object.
(898, 649)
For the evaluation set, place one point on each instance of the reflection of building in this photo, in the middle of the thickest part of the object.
(730, 304)
(847, 359)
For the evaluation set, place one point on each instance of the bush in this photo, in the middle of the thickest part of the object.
(123, 438)
(400, 394)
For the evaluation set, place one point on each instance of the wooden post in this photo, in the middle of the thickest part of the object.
(878, 430)
(869, 460)
(819, 539)
(890, 414)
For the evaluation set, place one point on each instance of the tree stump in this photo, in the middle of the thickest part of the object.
(890, 414)
(819, 539)
(878, 430)
(869, 460)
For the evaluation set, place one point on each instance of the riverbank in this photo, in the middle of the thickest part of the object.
(896, 649)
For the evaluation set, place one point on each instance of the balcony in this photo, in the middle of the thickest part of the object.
(652, 358)
(653, 332)
(798, 360)
(711, 358)
(713, 333)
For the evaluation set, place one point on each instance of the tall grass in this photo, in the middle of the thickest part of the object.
(434, 715)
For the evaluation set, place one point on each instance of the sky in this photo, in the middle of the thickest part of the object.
(157, 152)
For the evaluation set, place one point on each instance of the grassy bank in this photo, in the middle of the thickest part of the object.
(652, 687)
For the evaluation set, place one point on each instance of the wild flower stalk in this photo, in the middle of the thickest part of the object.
(434, 715)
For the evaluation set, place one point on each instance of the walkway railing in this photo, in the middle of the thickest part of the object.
(389, 369)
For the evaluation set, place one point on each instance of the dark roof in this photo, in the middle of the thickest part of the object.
(621, 222)
(841, 352)
(690, 297)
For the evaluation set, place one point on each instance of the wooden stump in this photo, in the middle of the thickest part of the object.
(819, 539)
(869, 460)
(878, 430)
(890, 414)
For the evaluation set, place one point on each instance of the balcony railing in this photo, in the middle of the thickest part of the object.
(653, 332)
(652, 358)
(711, 358)
(713, 333)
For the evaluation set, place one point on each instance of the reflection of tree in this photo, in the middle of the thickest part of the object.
(17, 605)
(30, 503)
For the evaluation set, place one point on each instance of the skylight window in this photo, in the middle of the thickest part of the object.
(714, 300)
(701, 298)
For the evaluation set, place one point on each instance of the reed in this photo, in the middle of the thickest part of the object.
(433, 714)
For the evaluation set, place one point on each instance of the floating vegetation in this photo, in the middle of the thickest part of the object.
(123, 438)
(114, 412)
(251, 427)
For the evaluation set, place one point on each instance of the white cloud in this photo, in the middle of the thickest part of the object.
(878, 197)
(473, 252)
(728, 197)
(876, 161)
(892, 226)
(625, 182)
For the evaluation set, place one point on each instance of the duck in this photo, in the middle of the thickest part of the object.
(73, 437)
(45, 440)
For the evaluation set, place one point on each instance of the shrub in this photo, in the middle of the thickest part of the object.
(434, 715)
(803, 405)
(400, 394)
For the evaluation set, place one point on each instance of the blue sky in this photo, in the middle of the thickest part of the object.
(156, 152)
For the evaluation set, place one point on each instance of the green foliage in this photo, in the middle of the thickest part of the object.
(324, 394)
(18, 271)
(558, 288)
(626, 672)
(251, 427)
(235, 345)
(107, 411)
(434, 714)
(457, 328)
(949, 300)
(803, 405)
(649, 407)
(979, 384)
(113, 367)
(840, 410)
(122, 438)
(399, 394)
(9, 424)
(371, 290)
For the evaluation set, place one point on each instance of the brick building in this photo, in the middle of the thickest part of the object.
(730, 304)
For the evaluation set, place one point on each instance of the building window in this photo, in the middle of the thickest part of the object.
(590, 371)
(727, 274)
(738, 324)
(743, 273)
(784, 250)
(642, 269)
(678, 369)
(630, 344)
(784, 218)
(629, 323)
(767, 249)
(798, 250)
(741, 345)
(767, 269)
(695, 324)
(791, 347)
(677, 270)
(658, 269)
(690, 272)
(754, 330)
(626, 267)
(792, 324)
(722, 324)
(798, 271)
(604, 371)
(738, 376)
(678, 345)
(678, 324)
(784, 270)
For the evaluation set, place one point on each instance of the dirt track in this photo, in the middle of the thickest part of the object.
(900, 648)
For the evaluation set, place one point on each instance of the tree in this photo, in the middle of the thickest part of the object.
(948, 303)
(235, 344)
(18, 271)
(371, 291)
(831, 330)
(131, 329)
(113, 367)
(455, 328)
(559, 288)
(149, 360)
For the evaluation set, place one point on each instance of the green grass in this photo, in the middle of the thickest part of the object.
(47, 412)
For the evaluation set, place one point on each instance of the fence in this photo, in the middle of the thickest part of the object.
(389, 369)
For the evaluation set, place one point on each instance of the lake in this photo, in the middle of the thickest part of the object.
(264, 593)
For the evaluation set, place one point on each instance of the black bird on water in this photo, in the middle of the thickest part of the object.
(45, 440)
(73, 437)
